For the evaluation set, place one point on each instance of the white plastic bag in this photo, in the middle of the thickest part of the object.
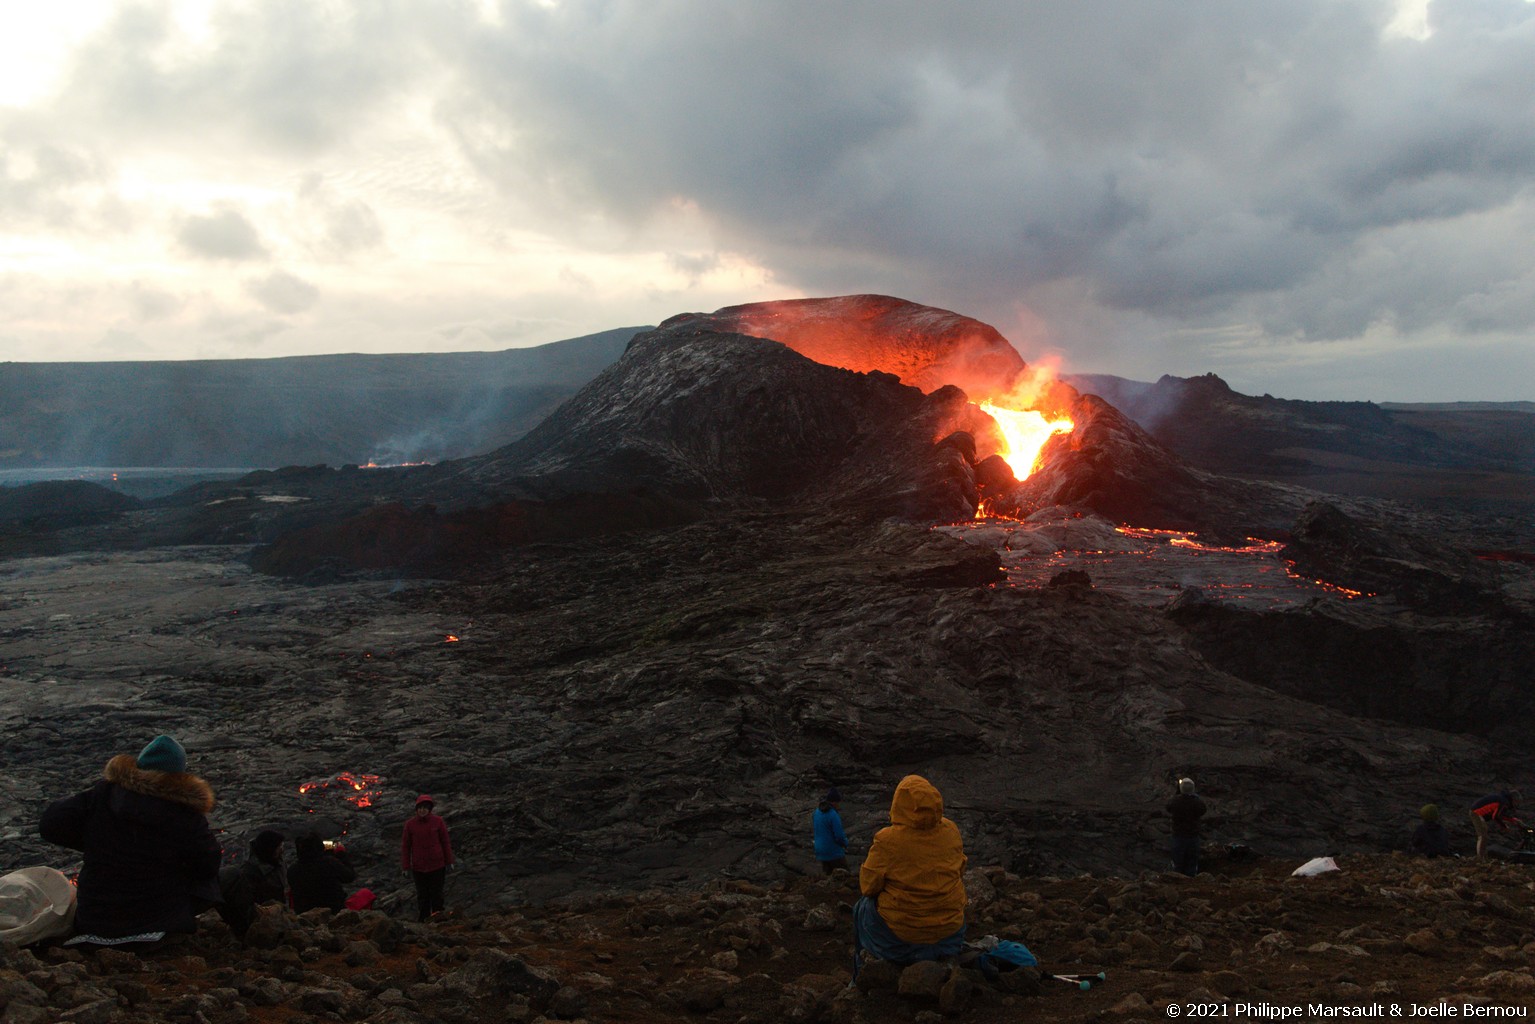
(35, 904)
(1315, 866)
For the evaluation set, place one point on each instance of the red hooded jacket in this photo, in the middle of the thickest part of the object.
(425, 846)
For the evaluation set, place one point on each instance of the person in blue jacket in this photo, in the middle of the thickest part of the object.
(830, 840)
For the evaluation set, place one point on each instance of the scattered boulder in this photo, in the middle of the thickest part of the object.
(494, 974)
(924, 979)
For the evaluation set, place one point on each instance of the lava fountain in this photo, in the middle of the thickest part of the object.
(1024, 433)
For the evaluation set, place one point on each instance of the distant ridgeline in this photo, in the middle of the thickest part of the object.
(1463, 449)
(305, 410)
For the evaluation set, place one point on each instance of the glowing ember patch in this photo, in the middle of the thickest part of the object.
(1331, 588)
(450, 639)
(357, 790)
(1254, 546)
(1148, 533)
(1025, 432)
(1182, 539)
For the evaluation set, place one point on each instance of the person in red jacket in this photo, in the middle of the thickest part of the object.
(426, 855)
(1498, 808)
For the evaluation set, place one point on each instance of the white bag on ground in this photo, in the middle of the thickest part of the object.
(35, 904)
(1315, 866)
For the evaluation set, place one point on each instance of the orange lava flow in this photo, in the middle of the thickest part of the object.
(1025, 432)
(1254, 546)
(363, 787)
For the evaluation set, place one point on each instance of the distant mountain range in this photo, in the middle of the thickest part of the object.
(1452, 450)
(306, 410)
(393, 409)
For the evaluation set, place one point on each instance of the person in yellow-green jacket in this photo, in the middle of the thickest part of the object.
(913, 904)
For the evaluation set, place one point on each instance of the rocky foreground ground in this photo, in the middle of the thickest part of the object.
(1243, 940)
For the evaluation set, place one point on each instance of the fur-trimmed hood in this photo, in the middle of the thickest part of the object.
(177, 787)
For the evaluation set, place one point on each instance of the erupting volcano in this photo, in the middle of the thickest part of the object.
(861, 405)
(925, 348)
(864, 407)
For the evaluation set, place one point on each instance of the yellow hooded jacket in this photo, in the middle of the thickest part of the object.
(916, 866)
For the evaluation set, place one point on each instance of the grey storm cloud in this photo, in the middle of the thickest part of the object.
(282, 292)
(224, 234)
(352, 226)
(1139, 169)
(290, 75)
(52, 184)
(1183, 157)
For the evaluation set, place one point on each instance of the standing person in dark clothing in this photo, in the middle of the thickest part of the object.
(151, 862)
(1430, 839)
(1186, 809)
(830, 840)
(319, 874)
(260, 879)
(426, 855)
(1497, 808)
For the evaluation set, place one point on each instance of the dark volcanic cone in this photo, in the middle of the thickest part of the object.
(725, 418)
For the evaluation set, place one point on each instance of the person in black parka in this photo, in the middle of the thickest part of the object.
(317, 877)
(151, 862)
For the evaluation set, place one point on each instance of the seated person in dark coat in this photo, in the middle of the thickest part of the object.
(1430, 838)
(317, 877)
(260, 879)
(151, 862)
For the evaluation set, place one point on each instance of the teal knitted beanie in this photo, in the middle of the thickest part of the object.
(163, 754)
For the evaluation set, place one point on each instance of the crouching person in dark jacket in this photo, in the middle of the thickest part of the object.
(151, 862)
(260, 879)
(318, 876)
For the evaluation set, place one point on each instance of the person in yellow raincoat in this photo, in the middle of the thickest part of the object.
(913, 905)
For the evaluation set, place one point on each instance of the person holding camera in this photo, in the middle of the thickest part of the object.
(317, 877)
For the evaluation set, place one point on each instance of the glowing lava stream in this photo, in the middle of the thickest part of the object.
(1025, 432)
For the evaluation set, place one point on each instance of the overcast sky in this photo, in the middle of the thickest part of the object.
(1311, 198)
